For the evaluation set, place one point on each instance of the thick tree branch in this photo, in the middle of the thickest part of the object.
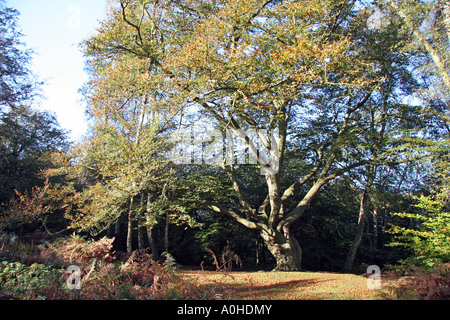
(289, 192)
(221, 209)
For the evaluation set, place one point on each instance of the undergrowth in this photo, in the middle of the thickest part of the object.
(39, 272)
(419, 283)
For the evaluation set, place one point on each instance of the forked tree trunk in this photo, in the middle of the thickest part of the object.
(271, 218)
(285, 249)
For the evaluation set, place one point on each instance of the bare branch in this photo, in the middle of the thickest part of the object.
(124, 5)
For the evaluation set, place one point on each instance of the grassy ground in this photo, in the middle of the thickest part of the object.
(286, 285)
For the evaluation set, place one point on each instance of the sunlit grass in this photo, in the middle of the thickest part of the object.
(288, 285)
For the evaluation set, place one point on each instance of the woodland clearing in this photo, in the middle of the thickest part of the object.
(287, 285)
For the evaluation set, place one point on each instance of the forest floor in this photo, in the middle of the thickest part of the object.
(286, 285)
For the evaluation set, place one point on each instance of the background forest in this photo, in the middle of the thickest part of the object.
(287, 135)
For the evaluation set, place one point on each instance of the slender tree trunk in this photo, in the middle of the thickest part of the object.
(130, 228)
(359, 233)
(384, 227)
(150, 225)
(141, 230)
(375, 229)
(364, 202)
(151, 241)
(166, 234)
(117, 228)
(141, 242)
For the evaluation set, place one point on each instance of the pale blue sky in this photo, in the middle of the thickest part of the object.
(53, 29)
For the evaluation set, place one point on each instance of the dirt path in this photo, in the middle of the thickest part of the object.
(286, 285)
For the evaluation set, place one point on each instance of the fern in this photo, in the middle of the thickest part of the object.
(227, 258)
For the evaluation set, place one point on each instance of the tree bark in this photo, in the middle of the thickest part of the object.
(285, 249)
(117, 227)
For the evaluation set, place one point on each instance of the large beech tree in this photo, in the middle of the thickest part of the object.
(294, 68)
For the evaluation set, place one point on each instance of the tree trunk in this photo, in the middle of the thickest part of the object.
(285, 248)
(151, 241)
(141, 229)
(166, 234)
(375, 229)
(117, 228)
(361, 219)
(130, 212)
(141, 242)
(150, 225)
(130, 228)
(358, 236)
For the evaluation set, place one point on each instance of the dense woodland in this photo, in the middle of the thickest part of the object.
(347, 165)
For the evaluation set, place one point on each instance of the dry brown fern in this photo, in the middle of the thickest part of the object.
(227, 258)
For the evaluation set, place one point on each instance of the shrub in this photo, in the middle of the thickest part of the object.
(12, 249)
(26, 208)
(424, 284)
(430, 240)
(78, 250)
(20, 281)
(140, 277)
